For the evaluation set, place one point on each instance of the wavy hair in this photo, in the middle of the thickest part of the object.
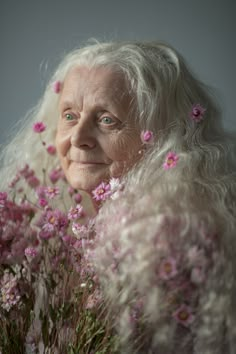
(163, 90)
(202, 189)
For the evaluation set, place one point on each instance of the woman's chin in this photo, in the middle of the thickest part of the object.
(85, 184)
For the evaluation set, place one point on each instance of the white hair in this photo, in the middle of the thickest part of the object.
(163, 89)
(201, 190)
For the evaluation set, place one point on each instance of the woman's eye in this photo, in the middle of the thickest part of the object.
(107, 120)
(69, 116)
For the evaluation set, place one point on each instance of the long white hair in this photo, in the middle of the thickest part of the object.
(200, 190)
(163, 90)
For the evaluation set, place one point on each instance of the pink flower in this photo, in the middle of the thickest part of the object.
(56, 86)
(102, 191)
(184, 315)
(3, 199)
(168, 268)
(43, 202)
(39, 127)
(147, 137)
(68, 239)
(9, 292)
(197, 112)
(80, 230)
(171, 160)
(51, 149)
(71, 190)
(45, 234)
(51, 221)
(75, 213)
(33, 181)
(55, 175)
(51, 192)
(77, 198)
(31, 252)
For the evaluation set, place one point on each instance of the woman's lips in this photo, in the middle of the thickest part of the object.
(88, 163)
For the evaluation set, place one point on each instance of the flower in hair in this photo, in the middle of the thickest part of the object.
(197, 112)
(184, 315)
(102, 191)
(171, 160)
(51, 149)
(39, 127)
(147, 137)
(168, 268)
(56, 86)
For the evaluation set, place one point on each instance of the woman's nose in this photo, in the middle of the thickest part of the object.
(83, 134)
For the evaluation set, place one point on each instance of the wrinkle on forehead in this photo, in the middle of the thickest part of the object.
(102, 87)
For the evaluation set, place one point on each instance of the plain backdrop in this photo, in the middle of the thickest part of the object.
(35, 35)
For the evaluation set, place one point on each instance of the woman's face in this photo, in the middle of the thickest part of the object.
(96, 138)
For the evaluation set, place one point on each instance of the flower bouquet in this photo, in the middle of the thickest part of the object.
(50, 300)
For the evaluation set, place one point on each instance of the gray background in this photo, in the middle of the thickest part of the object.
(34, 36)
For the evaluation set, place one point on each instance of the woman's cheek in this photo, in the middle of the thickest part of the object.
(62, 143)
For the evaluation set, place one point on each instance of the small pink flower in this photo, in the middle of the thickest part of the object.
(43, 202)
(51, 192)
(68, 239)
(55, 175)
(77, 197)
(80, 230)
(75, 213)
(184, 315)
(33, 181)
(71, 190)
(171, 160)
(45, 234)
(3, 199)
(51, 149)
(147, 137)
(197, 112)
(39, 127)
(56, 86)
(31, 252)
(168, 268)
(102, 191)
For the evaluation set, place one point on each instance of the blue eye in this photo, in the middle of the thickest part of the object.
(107, 120)
(69, 116)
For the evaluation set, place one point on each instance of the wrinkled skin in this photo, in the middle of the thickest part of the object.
(96, 137)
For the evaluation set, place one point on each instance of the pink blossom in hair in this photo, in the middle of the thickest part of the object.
(147, 137)
(56, 86)
(39, 127)
(170, 160)
(184, 315)
(197, 112)
(51, 149)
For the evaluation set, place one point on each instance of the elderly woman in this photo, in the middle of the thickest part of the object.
(136, 131)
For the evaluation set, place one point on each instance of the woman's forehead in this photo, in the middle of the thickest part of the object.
(101, 84)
